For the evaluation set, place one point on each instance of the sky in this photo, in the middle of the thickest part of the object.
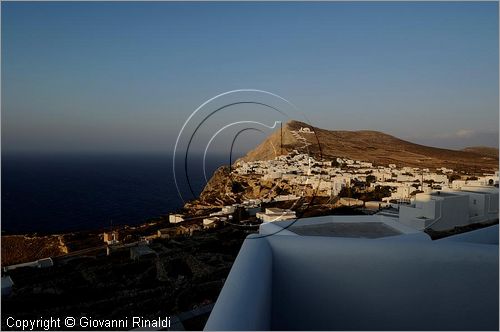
(125, 76)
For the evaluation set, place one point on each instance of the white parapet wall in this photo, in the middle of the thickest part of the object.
(487, 235)
(245, 301)
(321, 283)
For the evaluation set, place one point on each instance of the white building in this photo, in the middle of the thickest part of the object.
(407, 178)
(228, 209)
(175, 218)
(306, 130)
(272, 176)
(339, 182)
(276, 214)
(283, 198)
(402, 192)
(208, 222)
(350, 201)
(483, 202)
(437, 210)
(111, 237)
(40, 263)
(438, 178)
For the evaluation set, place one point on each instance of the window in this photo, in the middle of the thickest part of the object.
(474, 202)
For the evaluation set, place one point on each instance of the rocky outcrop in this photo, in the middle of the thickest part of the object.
(218, 189)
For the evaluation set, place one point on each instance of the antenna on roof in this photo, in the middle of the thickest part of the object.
(281, 141)
(422, 183)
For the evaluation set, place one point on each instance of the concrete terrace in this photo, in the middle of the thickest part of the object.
(341, 229)
(370, 227)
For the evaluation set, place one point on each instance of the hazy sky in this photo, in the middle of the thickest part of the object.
(125, 76)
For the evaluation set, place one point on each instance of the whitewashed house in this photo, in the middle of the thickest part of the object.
(483, 202)
(437, 210)
(175, 218)
(276, 214)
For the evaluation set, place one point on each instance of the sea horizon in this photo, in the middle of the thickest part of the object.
(49, 193)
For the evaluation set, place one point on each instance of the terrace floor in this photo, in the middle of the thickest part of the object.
(368, 230)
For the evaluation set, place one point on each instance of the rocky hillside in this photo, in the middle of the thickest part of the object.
(187, 273)
(225, 188)
(372, 146)
(22, 248)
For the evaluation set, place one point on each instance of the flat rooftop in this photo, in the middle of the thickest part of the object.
(442, 194)
(367, 230)
(356, 226)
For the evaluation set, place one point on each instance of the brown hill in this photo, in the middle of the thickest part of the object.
(371, 146)
(483, 150)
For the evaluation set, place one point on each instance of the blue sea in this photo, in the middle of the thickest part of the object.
(60, 193)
